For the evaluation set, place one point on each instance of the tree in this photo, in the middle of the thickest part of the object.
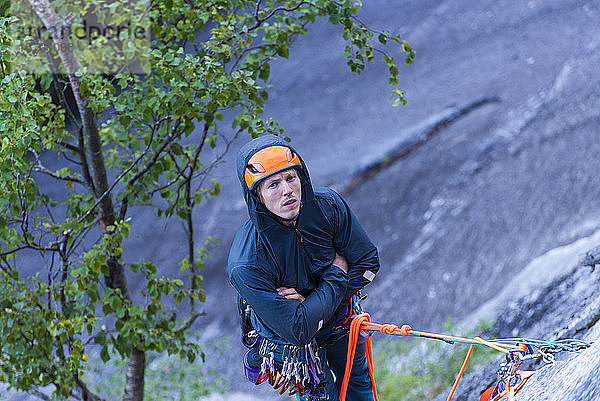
(124, 137)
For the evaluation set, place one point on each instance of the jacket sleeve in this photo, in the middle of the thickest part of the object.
(351, 241)
(296, 322)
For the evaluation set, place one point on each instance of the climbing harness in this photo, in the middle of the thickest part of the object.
(289, 368)
(511, 379)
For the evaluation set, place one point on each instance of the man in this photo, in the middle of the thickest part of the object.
(297, 265)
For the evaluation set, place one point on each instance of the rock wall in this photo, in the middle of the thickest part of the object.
(566, 307)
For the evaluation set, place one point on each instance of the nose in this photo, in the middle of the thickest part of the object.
(286, 188)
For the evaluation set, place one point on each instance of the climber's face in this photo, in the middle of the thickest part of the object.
(281, 193)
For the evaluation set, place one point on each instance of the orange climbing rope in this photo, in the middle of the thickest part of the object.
(363, 321)
(355, 327)
(406, 330)
(462, 370)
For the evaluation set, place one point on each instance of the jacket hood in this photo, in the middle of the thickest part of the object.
(259, 214)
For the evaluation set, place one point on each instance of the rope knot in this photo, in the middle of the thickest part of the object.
(388, 328)
(405, 330)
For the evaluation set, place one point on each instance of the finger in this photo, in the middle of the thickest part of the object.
(286, 291)
(295, 296)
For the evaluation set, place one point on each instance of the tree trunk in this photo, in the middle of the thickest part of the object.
(134, 387)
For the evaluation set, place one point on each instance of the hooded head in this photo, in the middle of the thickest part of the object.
(264, 157)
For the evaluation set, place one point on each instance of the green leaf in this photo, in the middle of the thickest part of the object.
(104, 355)
(124, 120)
(107, 309)
(265, 71)
(283, 51)
(211, 107)
(45, 81)
(100, 338)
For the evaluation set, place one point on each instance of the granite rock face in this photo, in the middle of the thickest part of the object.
(567, 307)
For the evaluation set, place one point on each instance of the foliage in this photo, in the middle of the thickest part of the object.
(167, 378)
(421, 369)
(74, 116)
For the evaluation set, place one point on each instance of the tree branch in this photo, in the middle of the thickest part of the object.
(113, 185)
(180, 173)
(40, 168)
(78, 163)
(188, 323)
(70, 146)
(87, 394)
(219, 158)
(154, 159)
(260, 21)
(189, 203)
(15, 250)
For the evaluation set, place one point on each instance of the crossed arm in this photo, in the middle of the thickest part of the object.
(291, 293)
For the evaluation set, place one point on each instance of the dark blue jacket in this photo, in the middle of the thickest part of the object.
(267, 254)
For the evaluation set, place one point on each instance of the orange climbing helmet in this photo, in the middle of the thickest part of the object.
(268, 161)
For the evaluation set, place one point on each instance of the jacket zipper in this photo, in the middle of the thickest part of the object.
(301, 238)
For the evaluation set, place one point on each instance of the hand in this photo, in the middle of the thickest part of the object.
(290, 293)
(340, 262)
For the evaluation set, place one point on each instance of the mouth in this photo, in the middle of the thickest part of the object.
(291, 202)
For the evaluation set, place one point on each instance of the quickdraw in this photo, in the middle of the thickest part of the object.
(290, 368)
